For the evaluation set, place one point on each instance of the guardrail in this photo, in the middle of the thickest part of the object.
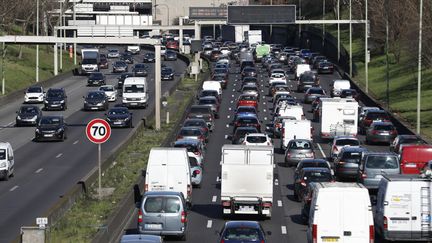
(55, 212)
(120, 218)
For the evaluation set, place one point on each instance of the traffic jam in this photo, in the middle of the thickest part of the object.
(271, 116)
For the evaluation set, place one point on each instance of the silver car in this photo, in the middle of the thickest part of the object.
(212, 102)
(342, 141)
(163, 213)
(381, 132)
(346, 164)
(139, 238)
(312, 93)
(376, 164)
(298, 149)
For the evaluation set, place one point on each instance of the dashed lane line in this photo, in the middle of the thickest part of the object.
(321, 150)
(59, 155)
(284, 230)
(13, 188)
(279, 203)
(38, 170)
(75, 142)
(214, 198)
(209, 224)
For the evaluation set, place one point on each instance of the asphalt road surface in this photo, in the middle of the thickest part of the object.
(45, 171)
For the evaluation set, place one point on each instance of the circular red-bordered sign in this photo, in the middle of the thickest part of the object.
(98, 131)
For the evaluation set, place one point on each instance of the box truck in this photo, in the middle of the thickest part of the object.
(247, 180)
(89, 61)
(403, 210)
(295, 129)
(254, 37)
(338, 117)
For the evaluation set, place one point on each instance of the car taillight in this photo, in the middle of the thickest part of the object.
(364, 175)
(189, 190)
(226, 203)
(374, 132)
(244, 143)
(183, 217)
(288, 155)
(303, 182)
(201, 137)
(266, 205)
(140, 216)
(179, 137)
(314, 233)
(222, 241)
(371, 234)
(197, 153)
(146, 187)
(197, 172)
(335, 149)
(268, 143)
(393, 132)
(385, 223)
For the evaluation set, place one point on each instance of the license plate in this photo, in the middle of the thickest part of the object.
(134, 103)
(378, 176)
(158, 188)
(325, 67)
(300, 156)
(153, 226)
(199, 116)
(411, 165)
(48, 135)
(94, 108)
(246, 208)
(117, 123)
(330, 239)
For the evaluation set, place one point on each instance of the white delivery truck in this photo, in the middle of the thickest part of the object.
(340, 212)
(135, 92)
(292, 111)
(300, 69)
(7, 161)
(295, 129)
(134, 49)
(168, 169)
(254, 37)
(403, 210)
(89, 61)
(212, 85)
(338, 117)
(247, 180)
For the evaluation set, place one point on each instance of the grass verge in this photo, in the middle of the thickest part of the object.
(89, 215)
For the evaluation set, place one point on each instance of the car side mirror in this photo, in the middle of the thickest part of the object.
(228, 137)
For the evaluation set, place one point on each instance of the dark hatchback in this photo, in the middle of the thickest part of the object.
(119, 66)
(95, 100)
(122, 78)
(249, 72)
(119, 117)
(308, 175)
(140, 70)
(346, 164)
(28, 115)
(149, 57)
(247, 120)
(127, 58)
(240, 133)
(242, 232)
(55, 99)
(170, 55)
(167, 73)
(51, 128)
(96, 79)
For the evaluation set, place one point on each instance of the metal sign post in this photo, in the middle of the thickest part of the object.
(98, 131)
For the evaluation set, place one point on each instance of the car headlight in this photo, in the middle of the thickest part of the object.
(3, 164)
(18, 117)
(127, 118)
(46, 101)
(60, 130)
(37, 130)
(62, 101)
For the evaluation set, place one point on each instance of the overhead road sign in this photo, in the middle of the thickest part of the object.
(207, 13)
(19, 39)
(262, 14)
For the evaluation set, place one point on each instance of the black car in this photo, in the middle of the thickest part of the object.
(95, 100)
(240, 133)
(103, 64)
(249, 72)
(55, 99)
(170, 55)
(127, 58)
(140, 70)
(325, 67)
(96, 78)
(167, 73)
(51, 128)
(119, 117)
(308, 175)
(119, 66)
(242, 231)
(149, 57)
(122, 78)
(28, 115)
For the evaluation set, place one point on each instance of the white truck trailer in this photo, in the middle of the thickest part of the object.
(89, 61)
(295, 129)
(254, 37)
(338, 117)
(247, 180)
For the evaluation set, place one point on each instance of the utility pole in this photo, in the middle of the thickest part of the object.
(158, 86)
(338, 31)
(300, 15)
(387, 56)
(366, 48)
(75, 34)
(61, 35)
(350, 39)
(3, 68)
(323, 26)
(37, 46)
(419, 67)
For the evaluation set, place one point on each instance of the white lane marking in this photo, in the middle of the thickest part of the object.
(263, 103)
(265, 118)
(229, 108)
(279, 203)
(262, 91)
(233, 89)
(265, 110)
(227, 125)
(262, 85)
(7, 125)
(232, 95)
(38, 170)
(214, 198)
(232, 101)
(59, 155)
(228, 117)
(322, 152)
(75, 142)
(276, 182)
(284, 230)
(235, 84)
(209, 224)
(13, 188)
(217, 179)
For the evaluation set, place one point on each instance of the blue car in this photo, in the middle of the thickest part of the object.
(242, 231)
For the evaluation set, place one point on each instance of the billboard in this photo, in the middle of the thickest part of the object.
(207, 13)
(262, 14)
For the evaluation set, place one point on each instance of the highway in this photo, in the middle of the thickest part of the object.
(205, 218)
(45, 171)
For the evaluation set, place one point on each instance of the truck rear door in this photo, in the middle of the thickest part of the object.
(399, 209)
(355, 218)
(157, 178)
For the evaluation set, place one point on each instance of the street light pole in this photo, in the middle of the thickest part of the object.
(323, 26)
(158, 86)
(350, 38)
(300, 15)
(387, 56)
(338, 31)
(61, 35)
(419, 67)
(37, 46)
(366, 48)
(74, 45)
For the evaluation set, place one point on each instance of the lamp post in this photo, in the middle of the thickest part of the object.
(323, 26)
(419, 67)
(37, 46)
(366, 48)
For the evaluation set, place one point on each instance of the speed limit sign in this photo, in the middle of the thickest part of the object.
(98, 131)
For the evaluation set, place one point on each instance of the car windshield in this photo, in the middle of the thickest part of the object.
(256, 139)
(50, 121)
(220, 70)
(348, 92)
(107, 88)
(300, 145)
(95, 95)
(119, 63)
(351, 157)
(141, 66)
(382, 162)
(384, 127)
(34, 90)
(2, 154)
(190, 132)
(350, 142)
(149, 55)
(248, 97)
(55, 94)
(96, 76)
(242, 233)
(166, 70)
(113, 51)
(249, 69)
(162, 205)
(118, 111)
(317, 176)
(134, 88)
(28, 109)
(207, 101)
(189, 147)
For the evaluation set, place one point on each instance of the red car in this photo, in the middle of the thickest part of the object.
(414, 158)
(248, 100)
(172, 45)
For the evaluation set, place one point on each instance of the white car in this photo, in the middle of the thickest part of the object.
(113, 53)
(277, 77)
(257, 139)
(34, 94)
(342, 141)
(110, 92)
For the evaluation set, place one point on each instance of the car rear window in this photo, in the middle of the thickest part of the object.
(247, 120)
(350, 142)
(246, 109)
(190, 132)
(382, 162)
(248, 88)
(207, 101)
(200, 110)
(256, 139)
(162, 205)
(194, 124)
(313, 164)
(300, 145)
(242, 132)
(242, 233)
(189, 147)
(317, 176)
(248, 97)
(384, 127)
(351, 157)
(316, 91)
(377, 116)
(193, 162)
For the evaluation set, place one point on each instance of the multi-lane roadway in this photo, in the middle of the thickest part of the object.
(45, 171)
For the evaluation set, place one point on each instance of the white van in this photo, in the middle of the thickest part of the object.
(338, 85)
(168, 169)
(301, 68)
(292, 111)
(295, 129)
(135, 92)
(212, 85)
(340, 212)
(403, 209)
(7, 162)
